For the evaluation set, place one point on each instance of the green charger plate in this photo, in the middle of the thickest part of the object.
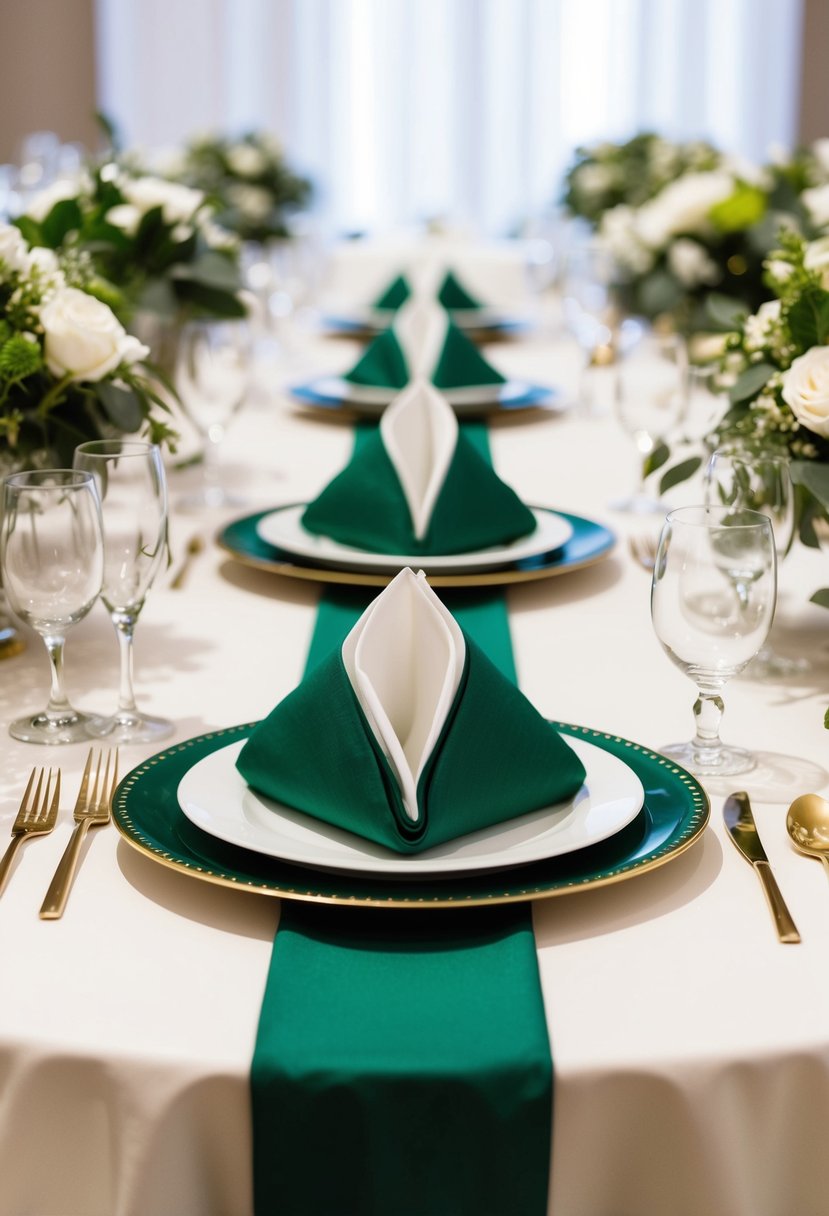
(589, 543)
(146, 812)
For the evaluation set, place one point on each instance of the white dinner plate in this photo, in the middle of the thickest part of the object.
(470, 320)
(216, 798)
(283, 528)
(372, 396)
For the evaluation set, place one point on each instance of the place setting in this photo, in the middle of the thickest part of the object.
(431, 280)
(457, 791)
(419, 491)
(424, 341)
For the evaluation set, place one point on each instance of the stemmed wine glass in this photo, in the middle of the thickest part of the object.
(651, 397)
(52, 555)
(758, 481)
(212, 378)
(712, 603)
(130, 478)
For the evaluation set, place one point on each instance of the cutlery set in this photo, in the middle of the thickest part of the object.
(38, 815)
(807, 823)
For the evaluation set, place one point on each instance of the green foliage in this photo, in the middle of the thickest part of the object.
(744, 208)
(750, 382)
(724, 313)
(655, 459)
(808, 319)
(19, 358)
(679, 473)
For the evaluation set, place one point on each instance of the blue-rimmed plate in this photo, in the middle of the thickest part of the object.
(365, 401)
(589, 542)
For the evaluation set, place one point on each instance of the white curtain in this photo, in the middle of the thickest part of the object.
(468, 110)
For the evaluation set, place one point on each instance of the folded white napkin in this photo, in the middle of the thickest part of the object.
(420, 433)
(420, 328)
(404, 658)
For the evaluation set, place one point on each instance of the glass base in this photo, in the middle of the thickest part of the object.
(71, 727)
(710, 762)
(125, 727)
(639, 504)
(211, 498)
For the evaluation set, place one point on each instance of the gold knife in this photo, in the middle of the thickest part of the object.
(743, 831)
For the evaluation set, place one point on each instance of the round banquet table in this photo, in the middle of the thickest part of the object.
(691, 1049)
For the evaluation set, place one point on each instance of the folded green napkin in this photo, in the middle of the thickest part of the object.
(416, 485)
(451, 294)
(441, 352)
(454, 297)
(409, 735)
(397, 293)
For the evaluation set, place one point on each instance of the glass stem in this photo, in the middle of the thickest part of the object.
(708, 712)
(644, 446)
(58, 706)
(124, 623)
(211, 457)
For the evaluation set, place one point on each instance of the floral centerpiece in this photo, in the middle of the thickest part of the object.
(606, 175)
(69, 371)
(775, 366)
(155, 243)
(687, 226)
(249, 181)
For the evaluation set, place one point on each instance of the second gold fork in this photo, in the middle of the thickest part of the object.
(92, 809)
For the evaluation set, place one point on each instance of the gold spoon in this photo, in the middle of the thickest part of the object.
(808, 825)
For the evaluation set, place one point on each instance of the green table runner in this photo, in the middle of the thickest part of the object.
(402, 1065)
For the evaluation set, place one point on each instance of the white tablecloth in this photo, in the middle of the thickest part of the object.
(691, 1049)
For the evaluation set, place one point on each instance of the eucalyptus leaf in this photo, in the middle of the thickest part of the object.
(679, 473)
(30, 230)
(65, 217)
(217, 301)
(211, 269)
(750, 382)
(725, 312)
(814, 477)
(656, 459)
(122, 406)
(809, 318)
(158, 297)
(821, 598)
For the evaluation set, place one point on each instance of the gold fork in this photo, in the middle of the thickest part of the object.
(37, 815)
(92, 809)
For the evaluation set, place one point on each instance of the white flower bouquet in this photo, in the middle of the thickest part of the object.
(69, 371)
(248, 180)
(153, 242)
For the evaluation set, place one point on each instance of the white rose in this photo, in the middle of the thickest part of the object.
(14, 253)
(42, 203)
(254, 202)
(682, 207)
(816, 258)
(691, 264)
(178, 203)
(816, 202)
(618, 236)
(246, 160)
(84, 338)
(806, 389)
(124, 216)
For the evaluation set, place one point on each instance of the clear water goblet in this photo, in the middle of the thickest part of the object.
(651, 398)
(133, 491)
(52, 555)
(212, 377)
(712, 603)
(738, 476)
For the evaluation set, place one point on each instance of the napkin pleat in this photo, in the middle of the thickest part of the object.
(382, 365)
(394, 295)
(496, 758)
(454, 297)
(461, 365)
(365, 506)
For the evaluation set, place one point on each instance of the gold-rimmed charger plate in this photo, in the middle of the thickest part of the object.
(589, 543)
(146, 812)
